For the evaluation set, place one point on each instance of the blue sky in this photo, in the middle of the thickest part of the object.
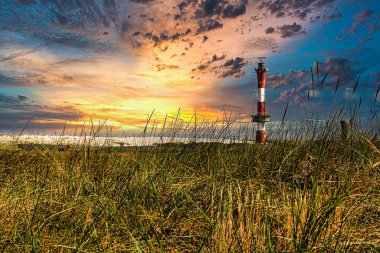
(72, 61)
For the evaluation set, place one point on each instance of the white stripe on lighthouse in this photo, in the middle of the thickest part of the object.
(261, 126)
(261, 94)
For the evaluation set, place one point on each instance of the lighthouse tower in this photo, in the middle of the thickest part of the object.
(261, 117)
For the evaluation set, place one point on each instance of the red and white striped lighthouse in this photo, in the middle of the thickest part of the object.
(261, 117)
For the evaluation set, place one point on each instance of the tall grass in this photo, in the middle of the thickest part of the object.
(305, 191)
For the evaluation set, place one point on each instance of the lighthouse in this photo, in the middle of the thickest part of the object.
(261, 117)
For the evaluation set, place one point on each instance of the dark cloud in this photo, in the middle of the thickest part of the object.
(294, 93)
(18, 110)
(269, 30)
(16, 55)
(73, 40)
(363, 14)
(22, 98)
(217, 58)
(209, 8)
(294, 8)
(233, 67)
(71, 23)
(315, 19)
(156, 39)
(161, 67)
(40, 78)
(293, 77)
(6, 80)
(223, 8)
(302, 14)
(232, 11)
(201, 67)
(332, 16)
(208, 25)
(291, 30)
(165, 36)
(212, 8)
(340, 66)
(9, 100)
(334, 67)
(205, 65)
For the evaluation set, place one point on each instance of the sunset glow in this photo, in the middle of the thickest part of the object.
(68, 63)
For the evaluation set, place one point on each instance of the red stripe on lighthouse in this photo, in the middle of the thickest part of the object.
(261, 108)
(261, 75)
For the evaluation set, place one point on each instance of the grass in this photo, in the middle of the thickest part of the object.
(314, 194)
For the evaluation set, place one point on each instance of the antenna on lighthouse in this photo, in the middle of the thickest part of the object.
(261, 117)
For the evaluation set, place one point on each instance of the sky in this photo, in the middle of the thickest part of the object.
(66, 62)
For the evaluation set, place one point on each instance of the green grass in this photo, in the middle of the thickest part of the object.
(316, 195)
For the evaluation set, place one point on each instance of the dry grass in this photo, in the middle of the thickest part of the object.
(320, 195)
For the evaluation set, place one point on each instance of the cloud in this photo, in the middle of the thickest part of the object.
(18, 110)
(74, 40)
(299, 9)
(6, 80)
(286, 95)
(290, 30)
(223, 8)
(361, 20)
(301, 79)
(363, 14)
(22, 98)
(233, 67)
(161, 67)
(230, 68)
(364, 40)
(210, 9)
(232, 11)
(269, 30)
(165, 36)
(292, 78)
(17, 55)
(127, 28)
(205, 65)
(340, 66)
(332, 16)
(262, 43)
(208, 25)
(12, 101)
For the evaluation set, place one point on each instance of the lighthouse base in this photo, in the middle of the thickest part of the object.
(261, 136)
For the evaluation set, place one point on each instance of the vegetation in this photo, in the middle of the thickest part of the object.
(315, 193)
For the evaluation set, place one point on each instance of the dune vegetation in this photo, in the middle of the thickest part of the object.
(314, 194)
